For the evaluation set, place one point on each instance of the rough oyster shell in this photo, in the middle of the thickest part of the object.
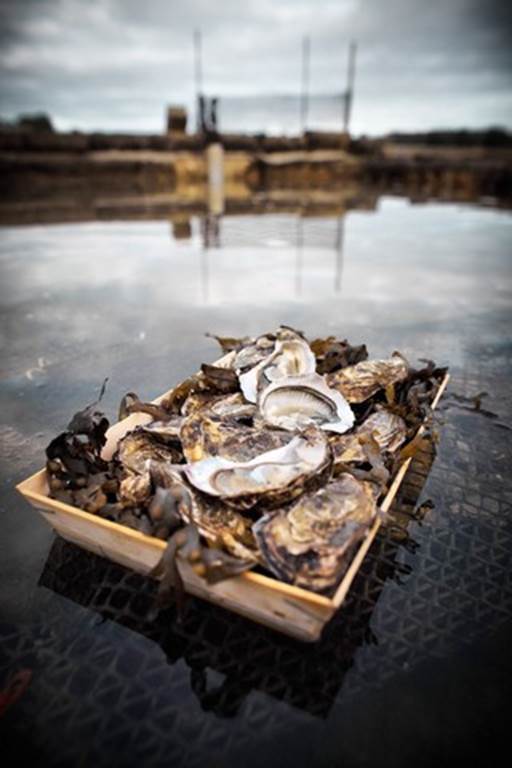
(386, 427)
(204, 435)
(388, 430)
(309, 542)
(233, 406)
(135, 489)
(359, 382)
(256, 350)
(297, 402)
(164, 431)
(139, 445)
(347, 449)
(269, 478)
(291, 357)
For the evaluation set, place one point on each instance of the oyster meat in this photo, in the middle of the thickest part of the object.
(269, 478)
(310, 542)
(359, 382)
(291, 357)
(296, 402)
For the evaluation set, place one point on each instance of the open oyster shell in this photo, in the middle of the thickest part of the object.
(297, 402)
(310, 542)
(291, 357)
(271, 477)
(359, 382)
(254, 352)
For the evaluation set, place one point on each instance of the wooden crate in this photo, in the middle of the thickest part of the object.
(294, 611)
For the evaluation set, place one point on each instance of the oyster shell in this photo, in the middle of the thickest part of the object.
(309, 543)
(164, 431)
(297, 402)
(254, 352)
(359, 382)
(134, 453)
(233, 405)
(204, 435)
(347, 449)
(135, 489)
(291, 357)
(138, 446)
(386, 427)
(257, 349)
(216, 521)
(269, 478)
(388, 430)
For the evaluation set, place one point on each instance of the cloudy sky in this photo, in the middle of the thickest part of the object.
(115, 64)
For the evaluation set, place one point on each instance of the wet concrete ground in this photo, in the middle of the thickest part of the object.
(422, 667)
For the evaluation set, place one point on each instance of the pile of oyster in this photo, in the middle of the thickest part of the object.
(275, 458)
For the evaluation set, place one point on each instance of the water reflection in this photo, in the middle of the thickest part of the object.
(124, 299)
(211, 238)
(228, 656)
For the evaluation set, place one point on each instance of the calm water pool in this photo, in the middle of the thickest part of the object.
(418, 664)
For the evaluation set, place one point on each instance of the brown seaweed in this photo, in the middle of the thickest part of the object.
(332, 354)
(76, 453)
(223, 380)
(131, 403)
(229, 343)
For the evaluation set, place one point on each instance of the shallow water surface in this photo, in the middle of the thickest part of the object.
(427, 623)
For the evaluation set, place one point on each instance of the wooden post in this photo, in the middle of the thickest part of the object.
(215, 164)
(349, 93)
(304, 101)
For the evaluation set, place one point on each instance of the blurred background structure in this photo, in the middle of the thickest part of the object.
(421, 103)
(111, 65)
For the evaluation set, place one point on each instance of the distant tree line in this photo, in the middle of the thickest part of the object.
(36, 122)
(489, 137)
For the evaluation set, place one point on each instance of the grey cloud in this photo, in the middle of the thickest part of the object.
(115, 64)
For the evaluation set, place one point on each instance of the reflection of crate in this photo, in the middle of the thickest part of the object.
(285, 608)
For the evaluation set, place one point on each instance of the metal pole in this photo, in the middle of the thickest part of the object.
(349, 93)
(304, 102)
(339, 253)
(299, 256)
(198, 73)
